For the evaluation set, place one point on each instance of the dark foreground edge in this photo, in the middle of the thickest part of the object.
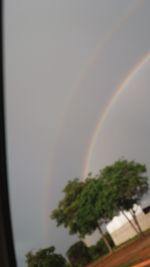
(7, 254)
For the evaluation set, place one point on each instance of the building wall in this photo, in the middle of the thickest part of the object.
(126, 232)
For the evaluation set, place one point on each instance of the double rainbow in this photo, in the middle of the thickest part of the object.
(131, 75)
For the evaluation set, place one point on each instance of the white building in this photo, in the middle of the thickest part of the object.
(121, 230)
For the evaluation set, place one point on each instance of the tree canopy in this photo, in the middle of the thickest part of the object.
(124, 184)
(45, 258)
(92, 212)
(78, 254)
(127, 180)
(82, 209)
(65, 214)
(87, 206)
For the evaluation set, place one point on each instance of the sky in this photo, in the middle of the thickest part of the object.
(77, 98)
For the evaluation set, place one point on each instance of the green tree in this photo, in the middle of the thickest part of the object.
(82, 210)
(92, 212)
(65, 214)
(45, 258)
(78, 254)
(125, 183)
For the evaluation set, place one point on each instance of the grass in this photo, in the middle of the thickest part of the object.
(131, 263)
(130, 241)
(127, 264)
(115, 249)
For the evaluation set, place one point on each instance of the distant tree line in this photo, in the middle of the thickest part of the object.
(90, 204)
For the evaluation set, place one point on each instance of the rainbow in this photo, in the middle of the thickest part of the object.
(98, 52)
(137, 68)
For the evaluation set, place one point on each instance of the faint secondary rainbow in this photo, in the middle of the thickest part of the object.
(107, 109)
(98, 52)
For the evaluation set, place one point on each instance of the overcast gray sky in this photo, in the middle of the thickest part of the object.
(64, 60)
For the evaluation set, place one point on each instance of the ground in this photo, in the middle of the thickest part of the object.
(135, 251)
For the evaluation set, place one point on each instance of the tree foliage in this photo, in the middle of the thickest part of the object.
(82, 209)
(45, 258)
(89, 205)
(65, 214)
(87, 213)
(92, 212)
(99, 249)
(78, 254)
(124, 184)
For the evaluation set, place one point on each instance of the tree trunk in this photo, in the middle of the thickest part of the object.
(136, 222)
(131, 223)
(104, 239)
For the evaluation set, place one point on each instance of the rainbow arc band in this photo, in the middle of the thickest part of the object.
(131, 75)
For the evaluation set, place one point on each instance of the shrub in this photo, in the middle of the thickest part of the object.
(99, 250)
(78, 254)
